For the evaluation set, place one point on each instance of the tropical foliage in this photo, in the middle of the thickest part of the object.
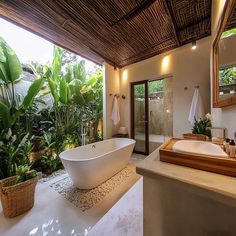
(227, 76)
(14, 149)
(11, 104)
(23, 173)
(33, 137)
(228, 33)
(153, 87)
(203, 125)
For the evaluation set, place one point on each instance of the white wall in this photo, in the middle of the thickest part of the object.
(188, 68)
(111, 85)
(222, 117)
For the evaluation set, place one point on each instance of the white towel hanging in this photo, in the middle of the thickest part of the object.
(197, 108)
(115, 114)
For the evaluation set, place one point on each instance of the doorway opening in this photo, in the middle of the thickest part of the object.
(151, 113)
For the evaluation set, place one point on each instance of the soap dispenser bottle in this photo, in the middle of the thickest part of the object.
(226, 145)
(232, 148)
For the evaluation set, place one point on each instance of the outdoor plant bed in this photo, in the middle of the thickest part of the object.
(46, 114)
(18, 197)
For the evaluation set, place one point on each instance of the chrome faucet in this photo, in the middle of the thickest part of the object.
(93, 146)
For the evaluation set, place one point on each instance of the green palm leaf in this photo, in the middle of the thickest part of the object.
(4, 115)
(57, 63)
(63, 91)
(10, 62)
(32, 92)
(53, 88)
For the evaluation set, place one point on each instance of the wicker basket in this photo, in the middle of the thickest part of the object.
(17, 198)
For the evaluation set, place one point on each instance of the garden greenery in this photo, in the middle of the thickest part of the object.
(34, 137)
(227, 75)
(203, 125)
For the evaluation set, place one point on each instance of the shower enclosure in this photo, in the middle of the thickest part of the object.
(151, 113)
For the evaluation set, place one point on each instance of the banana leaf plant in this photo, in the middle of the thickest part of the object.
(77, 99)
(59, 88)
(87, 94)
(11, 105)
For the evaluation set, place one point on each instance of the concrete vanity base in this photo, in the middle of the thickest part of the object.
(196, 207)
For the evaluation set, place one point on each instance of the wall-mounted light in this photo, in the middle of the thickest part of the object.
(165, 63)
(194, 45)
(125, 75)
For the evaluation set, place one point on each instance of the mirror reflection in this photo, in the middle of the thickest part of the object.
(227, 59)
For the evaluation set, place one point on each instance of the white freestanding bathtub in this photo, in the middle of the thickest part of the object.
(90, 165)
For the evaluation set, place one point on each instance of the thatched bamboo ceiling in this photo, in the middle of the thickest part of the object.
(231, 23)
(120, 32)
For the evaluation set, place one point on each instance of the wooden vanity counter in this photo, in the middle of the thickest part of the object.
(220, 165)
(152, 166)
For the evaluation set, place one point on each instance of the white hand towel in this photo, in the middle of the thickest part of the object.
(115, 114)
(197, 108)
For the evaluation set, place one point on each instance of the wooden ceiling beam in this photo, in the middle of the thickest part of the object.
(173, 21)
(147, 27)
(199, 30)
(105, 58)
(16, 16)
(192, 24)
(136, 11)
(166, 45)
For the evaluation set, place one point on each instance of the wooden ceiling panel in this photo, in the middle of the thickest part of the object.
(150, 21)
(195, 32)
(189, 12)
(232, 20)
(119, 32)
(34, 18)
(163, 47)
(111, 11)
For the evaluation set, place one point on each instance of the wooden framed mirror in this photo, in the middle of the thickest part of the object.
(224, 58)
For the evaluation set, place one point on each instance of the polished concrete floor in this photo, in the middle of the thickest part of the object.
(120, 213)
(136, 158)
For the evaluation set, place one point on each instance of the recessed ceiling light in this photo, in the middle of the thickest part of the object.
(194, 45)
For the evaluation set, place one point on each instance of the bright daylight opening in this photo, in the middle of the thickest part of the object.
(50, 101)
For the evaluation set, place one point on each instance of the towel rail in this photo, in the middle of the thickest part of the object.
(117, 95)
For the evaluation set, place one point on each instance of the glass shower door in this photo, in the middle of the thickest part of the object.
(160, 112)
(139, 116)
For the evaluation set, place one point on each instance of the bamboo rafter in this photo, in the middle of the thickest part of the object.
(119, 32)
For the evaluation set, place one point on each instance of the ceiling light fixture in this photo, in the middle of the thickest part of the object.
(194, 45)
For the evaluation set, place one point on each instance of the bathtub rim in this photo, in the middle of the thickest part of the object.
(93, 158)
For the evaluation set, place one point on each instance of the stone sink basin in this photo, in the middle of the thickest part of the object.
(199, 147)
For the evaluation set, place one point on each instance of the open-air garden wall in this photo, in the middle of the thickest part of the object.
(45, 109)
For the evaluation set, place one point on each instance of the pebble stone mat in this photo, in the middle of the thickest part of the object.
(52, 176)
(86, 199)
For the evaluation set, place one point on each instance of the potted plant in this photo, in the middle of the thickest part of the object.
(17, 182)
(17, 192)
(203, 126)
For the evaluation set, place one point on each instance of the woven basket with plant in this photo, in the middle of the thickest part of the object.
(17, 192)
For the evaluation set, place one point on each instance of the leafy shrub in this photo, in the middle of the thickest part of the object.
(77, 105)
(23, 173)
(14, 150)
(47, 164)
(203, 126)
